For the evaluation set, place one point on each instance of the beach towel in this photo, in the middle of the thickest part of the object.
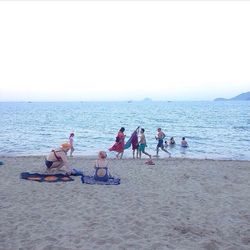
(131, 140)
(45, 177)
(90, 180)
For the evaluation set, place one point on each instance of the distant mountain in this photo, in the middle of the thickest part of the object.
(241, 97)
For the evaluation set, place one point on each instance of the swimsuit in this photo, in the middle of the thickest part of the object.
(50, 163)
(160, 143)
(105, 177)
(142, 147)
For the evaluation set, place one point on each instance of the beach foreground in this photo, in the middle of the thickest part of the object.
(176, 204)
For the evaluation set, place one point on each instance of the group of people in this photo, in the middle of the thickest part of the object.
(57, 158)
(138, 142)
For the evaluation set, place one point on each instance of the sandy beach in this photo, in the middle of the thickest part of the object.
(176, 204)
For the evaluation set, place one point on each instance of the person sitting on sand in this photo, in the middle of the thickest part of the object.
(143, 144)
(184, 143)
(57, 159)
(101, 167)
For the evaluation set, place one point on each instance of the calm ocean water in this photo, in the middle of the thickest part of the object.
(217, 130)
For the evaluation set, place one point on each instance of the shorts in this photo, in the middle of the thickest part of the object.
(142, 147)
(48, 163)
(160, 144)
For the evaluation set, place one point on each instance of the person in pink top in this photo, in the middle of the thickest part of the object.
(71, 142)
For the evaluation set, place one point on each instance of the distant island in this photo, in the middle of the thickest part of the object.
(147, 99)
(241, 97)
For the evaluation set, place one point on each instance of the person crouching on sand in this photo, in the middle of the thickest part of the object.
(101, 167)
(57, 159)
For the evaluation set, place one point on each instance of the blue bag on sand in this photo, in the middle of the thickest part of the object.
(45, 177)
(77, 172)
(90, 180)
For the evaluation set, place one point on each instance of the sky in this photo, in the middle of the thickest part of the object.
(123, 50)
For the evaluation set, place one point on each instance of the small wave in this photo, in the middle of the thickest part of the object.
(241, 127)
(248, 140)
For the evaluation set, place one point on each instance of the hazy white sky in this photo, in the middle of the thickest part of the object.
(184, 50)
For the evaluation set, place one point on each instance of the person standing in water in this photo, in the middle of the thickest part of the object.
(184, 143)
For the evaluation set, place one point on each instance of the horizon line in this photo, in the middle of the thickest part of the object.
(127, 101)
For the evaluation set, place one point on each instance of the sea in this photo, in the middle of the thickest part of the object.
(214, 130)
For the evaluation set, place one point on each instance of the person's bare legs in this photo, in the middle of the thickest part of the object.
(169, 154)
(146, 154)
(71, 151)
(139, 154)
(55, 166)
(157, 151)
(121, 155)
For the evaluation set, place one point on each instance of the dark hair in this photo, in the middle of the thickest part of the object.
(143, 130)
(183, 138)
(122, 129)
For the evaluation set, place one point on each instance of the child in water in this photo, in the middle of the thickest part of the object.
(172, 141)
(184, 142)
(101, 167)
